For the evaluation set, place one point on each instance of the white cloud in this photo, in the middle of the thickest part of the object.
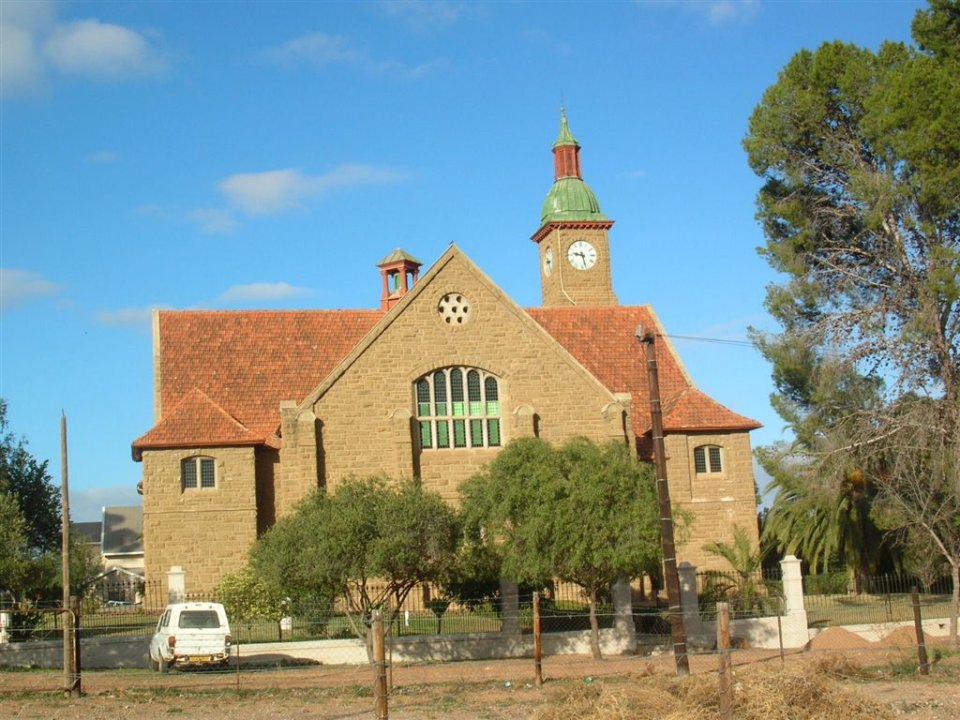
(19, 286)
(322, 50)
(723, 11)
(262, 291)
(33, 42)
(92, 49)
(215, 220)
(140, 318)
(425, 14)
(276, 191)
(86, 504)
(716, 12)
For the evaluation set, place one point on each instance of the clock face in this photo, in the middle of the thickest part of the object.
(582, 255)
(548, 261)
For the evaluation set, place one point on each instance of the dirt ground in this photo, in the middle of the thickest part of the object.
(479, 690)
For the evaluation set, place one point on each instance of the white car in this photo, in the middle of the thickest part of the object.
(191, 633)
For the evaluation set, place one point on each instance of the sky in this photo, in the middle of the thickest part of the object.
(240, 155)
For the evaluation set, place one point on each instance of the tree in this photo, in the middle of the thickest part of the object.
(15, 554)
(248, 597)
(860, 156)
(581, 513)
(28, 480)
(370, 543)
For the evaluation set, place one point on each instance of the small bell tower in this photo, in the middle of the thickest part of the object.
(399, 271)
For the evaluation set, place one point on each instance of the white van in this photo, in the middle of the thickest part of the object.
(191, 633)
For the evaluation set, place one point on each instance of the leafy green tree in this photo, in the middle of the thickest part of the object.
(247, 596)
(582, 513)
(860, 206)
(15, 557)
(30, 483)
(370, 543)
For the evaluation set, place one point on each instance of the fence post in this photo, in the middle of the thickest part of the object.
(792, 585)
(623, 615)
(510, 607)
(918, 625)
(726, 674)
(688, 597)
(176, 584)
(537, 641)
(380, 665)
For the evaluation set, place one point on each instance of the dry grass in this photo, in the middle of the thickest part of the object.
(802, 693)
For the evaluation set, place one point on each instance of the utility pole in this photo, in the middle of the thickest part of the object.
(71, 683)
(678, 633)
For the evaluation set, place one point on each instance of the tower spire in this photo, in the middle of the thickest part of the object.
(566, 152)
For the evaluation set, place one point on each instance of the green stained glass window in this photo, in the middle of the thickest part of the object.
(444, 400)
(476, 433)
(443, 434)
(493, 433)
(423, 397)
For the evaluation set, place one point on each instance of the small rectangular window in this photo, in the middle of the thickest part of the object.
(699, 460)
(476, 408)
(189, 473)
(715, 459)
(207, 473)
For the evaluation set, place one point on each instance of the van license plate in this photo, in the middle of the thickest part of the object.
(200, 658)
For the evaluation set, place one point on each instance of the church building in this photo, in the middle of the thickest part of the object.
(253, 410)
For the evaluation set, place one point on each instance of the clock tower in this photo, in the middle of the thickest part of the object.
(574, 235)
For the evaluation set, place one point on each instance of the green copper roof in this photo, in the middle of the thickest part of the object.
(571, 199)
(565, 137)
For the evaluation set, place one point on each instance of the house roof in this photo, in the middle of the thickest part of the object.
(90, 531)
(122, 530)
(604, 340)
(223, 374)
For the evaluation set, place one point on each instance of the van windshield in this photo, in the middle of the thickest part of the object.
(199, 619)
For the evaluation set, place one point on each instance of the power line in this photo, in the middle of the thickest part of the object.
(718, 341)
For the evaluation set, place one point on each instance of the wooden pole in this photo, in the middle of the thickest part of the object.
(537, 642)
(672, 578)
(71, 682)
(918, 626)
(726, 674)
(380, 666)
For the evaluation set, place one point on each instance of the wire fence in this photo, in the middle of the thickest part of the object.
(318, 646)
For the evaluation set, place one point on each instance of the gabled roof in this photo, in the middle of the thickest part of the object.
(204, 422)
(223, 374)
(244, 363)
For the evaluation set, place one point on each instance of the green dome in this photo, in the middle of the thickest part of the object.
(571, 198)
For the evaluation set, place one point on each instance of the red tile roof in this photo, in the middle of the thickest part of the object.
(604, 340)
(223, 374)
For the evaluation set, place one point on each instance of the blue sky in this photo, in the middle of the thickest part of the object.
(267, 155)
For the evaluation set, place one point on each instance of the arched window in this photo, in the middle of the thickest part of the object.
(453, 414)
(707, 459)
(198, 472)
